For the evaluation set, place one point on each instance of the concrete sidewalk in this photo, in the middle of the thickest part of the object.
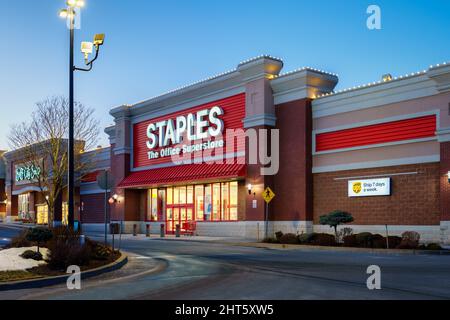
(153, 237)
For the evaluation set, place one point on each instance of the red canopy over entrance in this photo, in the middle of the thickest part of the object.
(183, 173)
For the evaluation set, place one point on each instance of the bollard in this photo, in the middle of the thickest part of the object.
(178, 231)
(147, 231)
(135, 230)
(162, 233)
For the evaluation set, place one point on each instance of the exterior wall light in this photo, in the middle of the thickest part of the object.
(114, 199)
(249, 187)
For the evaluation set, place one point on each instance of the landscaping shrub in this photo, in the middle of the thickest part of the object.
(39, 235)
(63, 255)
(101, 252)
(364, 240)
(323, 239)
(305, 238)
(270, 240)
(340, 235)
(336, 218)
(66, 234)
(278, 235)
(408, 244)
(30, 254)
(21, 241)
(350, 241)
(410, 240)
(394, 242)
(378, 241)
(434, 246)
(411, 235)
(289, 238)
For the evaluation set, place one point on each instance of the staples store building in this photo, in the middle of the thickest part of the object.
(379, 151)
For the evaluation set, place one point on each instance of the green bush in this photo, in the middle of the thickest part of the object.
(434, 246)
(278, 235)
(411, 236)
(364, 240)
(30, 254)
(323, 239)
(305, 238)
(270, 240)
(39, 235)
(101, 252)
(394, 242)
(378, 242)
(63, 255)
(408, 244)
(350, 241)
(336, 218)
(289, 238)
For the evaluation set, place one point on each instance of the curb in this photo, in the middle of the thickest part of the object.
(341, 249)
(50, 281)
(15, 226)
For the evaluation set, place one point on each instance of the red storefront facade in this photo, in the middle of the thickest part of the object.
(175, 163)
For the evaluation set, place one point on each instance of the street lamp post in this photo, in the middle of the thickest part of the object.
(86, 49)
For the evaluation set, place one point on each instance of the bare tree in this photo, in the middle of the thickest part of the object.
(43, 144)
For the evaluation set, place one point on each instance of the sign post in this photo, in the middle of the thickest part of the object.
(105, 182)
(268, 196)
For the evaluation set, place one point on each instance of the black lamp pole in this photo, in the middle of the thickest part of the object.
(98, 41)
(71, 175)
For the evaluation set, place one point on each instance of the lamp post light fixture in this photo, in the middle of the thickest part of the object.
(87, 49)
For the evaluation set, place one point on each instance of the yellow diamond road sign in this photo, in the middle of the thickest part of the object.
(268, 195)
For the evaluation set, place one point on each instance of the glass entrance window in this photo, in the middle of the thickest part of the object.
(24, 202)
(216, 202)
(42, 214)
(208, 202)
(199, 203)
(234, 201)
(225, 201)
(65, 214)
(185, 204)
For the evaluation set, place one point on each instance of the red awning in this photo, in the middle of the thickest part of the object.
(90, 177)
(183, 173)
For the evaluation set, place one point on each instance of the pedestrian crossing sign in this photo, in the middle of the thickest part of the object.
(268, 195)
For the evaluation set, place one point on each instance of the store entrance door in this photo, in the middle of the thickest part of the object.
(179, 215)
(180, 209)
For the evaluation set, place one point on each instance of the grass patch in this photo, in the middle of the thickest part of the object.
(8, 276)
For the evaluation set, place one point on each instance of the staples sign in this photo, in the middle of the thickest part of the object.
(198, 129)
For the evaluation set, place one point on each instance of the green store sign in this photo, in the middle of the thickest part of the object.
(28, 173)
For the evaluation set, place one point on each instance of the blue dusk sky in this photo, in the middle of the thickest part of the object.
(155, 46)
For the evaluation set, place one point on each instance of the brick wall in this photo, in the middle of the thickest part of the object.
(445, 185)
(414, 201)
(93, 208)
(293, 181)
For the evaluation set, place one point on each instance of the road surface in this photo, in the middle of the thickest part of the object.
(165, 269)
